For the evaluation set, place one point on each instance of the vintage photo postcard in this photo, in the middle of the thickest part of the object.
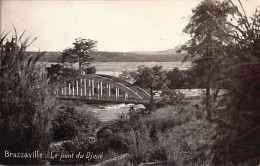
(130, 83)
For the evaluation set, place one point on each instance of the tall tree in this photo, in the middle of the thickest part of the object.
(153, 79)
(79, 52)
(206, 43)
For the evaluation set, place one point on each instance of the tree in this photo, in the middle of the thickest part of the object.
(207, 42)
(153, 79)
(176, 78)
(54, 72)
(237, 137)
(79, 52)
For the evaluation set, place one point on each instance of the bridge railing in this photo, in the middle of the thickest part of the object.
(137, 89)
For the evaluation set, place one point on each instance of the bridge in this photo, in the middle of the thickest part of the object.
(101, 88)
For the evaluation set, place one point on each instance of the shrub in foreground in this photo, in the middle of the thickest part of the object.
(75, 132)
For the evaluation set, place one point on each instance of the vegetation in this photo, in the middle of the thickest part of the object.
(79, 53)
(239, 125)
(25, 108)
(229, 55)
(174, 135)
(73, 132)
(207, 42)
(153, 79)
(101, 56)
(57, 72)
(177, 133)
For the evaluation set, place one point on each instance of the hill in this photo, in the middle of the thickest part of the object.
(137, 56)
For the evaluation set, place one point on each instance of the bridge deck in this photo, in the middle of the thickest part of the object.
(105, 99)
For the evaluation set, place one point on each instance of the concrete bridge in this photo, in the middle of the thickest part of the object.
(101, 88)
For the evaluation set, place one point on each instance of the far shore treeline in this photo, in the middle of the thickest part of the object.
(105, 56)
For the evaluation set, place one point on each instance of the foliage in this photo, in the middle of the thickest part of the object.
(232, 48)
(177, 78)
(125, 76)
(172, 134)
(54, 72)
(77, 130)
(58, 72)
(171, 97)
(79, 53)
(25, 107)
(207, 41)
(68, 122)
(153, 79)
(90, 70)
(238, 133)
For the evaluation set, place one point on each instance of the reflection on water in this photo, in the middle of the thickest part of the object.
(109, 112)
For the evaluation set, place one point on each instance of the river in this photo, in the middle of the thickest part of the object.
(116, 68)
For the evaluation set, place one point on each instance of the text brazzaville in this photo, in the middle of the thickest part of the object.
(34, 154)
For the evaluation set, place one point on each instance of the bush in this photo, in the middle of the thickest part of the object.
(75, 131)
(69, 122)
(90, 70)
(173, 98)
(186, 143)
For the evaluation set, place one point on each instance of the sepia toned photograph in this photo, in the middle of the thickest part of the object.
(130, 83)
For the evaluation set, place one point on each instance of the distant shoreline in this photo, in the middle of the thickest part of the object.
(102, 56)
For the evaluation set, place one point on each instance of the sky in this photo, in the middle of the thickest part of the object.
(117, 25)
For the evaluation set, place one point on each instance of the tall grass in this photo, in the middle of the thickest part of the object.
(25, 108)
(172, 134)
(185, 144)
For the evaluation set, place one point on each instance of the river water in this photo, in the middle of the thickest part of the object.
(116, 68)
(109, 112)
